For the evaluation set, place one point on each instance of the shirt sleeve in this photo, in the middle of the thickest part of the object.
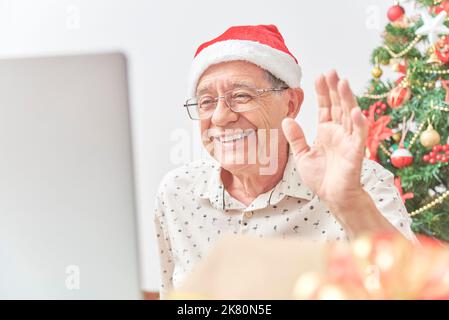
(164, 249)
(379, 183)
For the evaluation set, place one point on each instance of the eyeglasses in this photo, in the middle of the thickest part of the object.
(238, 100)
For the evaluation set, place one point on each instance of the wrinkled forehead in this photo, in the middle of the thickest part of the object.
(228, 84)
(231, 75)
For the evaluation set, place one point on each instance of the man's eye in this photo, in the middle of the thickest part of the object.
(242, 97)
(207, 103)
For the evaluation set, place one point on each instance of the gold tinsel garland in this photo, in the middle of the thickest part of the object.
(403, 83)
(431, 204)
(405, 50)
(436, 71)
(417, 133)
(445, 109)
(376, 96)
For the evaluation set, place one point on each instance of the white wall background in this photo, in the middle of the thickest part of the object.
(160, 38)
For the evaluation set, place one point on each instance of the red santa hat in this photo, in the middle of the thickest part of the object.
(262, 45)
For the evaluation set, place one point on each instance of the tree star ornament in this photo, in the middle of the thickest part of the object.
(433, 26)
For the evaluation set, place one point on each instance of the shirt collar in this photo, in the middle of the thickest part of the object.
(290, 185)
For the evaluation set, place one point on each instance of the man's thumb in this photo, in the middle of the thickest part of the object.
(295, 136)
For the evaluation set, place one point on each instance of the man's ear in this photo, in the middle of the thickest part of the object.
(296, 98)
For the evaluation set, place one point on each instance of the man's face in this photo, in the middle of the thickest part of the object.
(246, 140)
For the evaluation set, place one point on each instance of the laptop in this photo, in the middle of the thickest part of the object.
(67, 203)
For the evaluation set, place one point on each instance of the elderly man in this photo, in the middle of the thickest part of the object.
(263, 178)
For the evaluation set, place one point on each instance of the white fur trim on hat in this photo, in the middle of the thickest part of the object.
(279, 63)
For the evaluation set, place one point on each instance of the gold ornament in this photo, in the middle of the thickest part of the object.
(397, 137)
(433, 58)
(376, 72)
(430, 137)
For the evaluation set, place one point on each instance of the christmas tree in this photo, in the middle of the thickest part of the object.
(409, 113)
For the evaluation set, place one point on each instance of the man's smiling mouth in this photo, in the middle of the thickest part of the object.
(231, 138)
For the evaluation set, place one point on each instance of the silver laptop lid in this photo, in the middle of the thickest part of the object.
(67, 211)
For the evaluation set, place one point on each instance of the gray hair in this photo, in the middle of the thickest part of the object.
(274, 81)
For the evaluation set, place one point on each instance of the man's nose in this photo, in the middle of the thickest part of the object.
(223, 114)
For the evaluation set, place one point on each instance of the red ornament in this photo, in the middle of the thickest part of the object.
(400, 67)
(399, 80)
(442, 49)
(378, 106)
(443, 6)
(401, 158)
(398, 96)
(439, 153)
(395, 12)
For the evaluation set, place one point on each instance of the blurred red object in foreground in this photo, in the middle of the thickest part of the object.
(380, 267)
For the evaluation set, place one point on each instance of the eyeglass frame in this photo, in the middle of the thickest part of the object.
(258, 91)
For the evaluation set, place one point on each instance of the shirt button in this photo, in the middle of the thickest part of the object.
(248, 214)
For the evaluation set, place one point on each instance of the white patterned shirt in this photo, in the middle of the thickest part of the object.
(193, 210)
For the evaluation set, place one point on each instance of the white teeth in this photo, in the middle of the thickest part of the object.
(231, 138)
(235, 137)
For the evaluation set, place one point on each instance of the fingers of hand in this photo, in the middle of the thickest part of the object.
(348, 102)
(337, 103)
(360, 126)
(295, 137)
(332, 80)
(324, 100)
